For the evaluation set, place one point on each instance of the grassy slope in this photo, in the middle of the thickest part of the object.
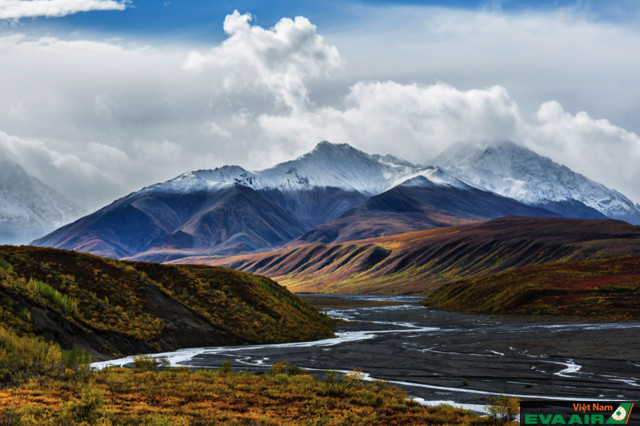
(602, 288)
(109, 307)
(203, 397)
(420, 262)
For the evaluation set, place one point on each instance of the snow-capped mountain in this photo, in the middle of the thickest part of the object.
(28, 207)
(231, 210)
(519, 173)
(339, 166)
(334, 192)
(326, 166)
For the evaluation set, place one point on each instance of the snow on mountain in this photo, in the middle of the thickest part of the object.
(431, 176)
(339, 166)
(505, 169)
(326, 166)
(519, 173)
(28, 207)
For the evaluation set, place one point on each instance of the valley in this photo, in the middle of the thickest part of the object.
(447, 357)
(59, 309)
(319, 213)
(408, 259)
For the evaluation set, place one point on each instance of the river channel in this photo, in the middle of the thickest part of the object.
(448, 357)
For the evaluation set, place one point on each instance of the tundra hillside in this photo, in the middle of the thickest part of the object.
(604, 289)
(110, 308)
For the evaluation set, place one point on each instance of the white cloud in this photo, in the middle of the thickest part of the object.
(416, 122)
(99, 119)
(411, 121)
(58, 164)
(595, 147)
(562, 54)
(20, 9)
(281, 59)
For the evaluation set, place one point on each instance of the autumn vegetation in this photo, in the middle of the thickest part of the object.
(149, 395)
(601, 289)
(111, 308)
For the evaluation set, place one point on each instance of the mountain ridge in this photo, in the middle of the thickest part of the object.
(110, 307)
(332, 193)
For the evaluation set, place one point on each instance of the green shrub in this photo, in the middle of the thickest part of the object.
(60, 301)
(89, 410)
(22, 357)
(75, 357)
(284, 367)
(279, 367)
(6, 265)
(294, 370)
(331, 376)
(226, 367)
(144, 362)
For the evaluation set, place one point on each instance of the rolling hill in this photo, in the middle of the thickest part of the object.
(605, 288)
(419, 262)
(108, 307)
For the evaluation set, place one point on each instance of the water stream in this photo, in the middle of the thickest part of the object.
(447, 357)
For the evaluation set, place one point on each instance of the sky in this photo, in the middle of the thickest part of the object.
(102, 97)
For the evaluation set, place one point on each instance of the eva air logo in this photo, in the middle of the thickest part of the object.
(584, 413)
(621, 415)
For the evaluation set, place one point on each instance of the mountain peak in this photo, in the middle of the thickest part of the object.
(329, 149)
(323, 145)
(515, 171)
(336, 165)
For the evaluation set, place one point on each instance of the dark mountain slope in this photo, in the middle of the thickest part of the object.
(416, 205)
(229, 219)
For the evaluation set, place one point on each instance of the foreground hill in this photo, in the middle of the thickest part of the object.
(419, 262)
(109, 307)
(608, 288)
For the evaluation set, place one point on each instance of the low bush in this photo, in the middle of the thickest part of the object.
(62, 302)
(503, 408)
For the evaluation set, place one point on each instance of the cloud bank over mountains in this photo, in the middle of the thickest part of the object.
(100, 118)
